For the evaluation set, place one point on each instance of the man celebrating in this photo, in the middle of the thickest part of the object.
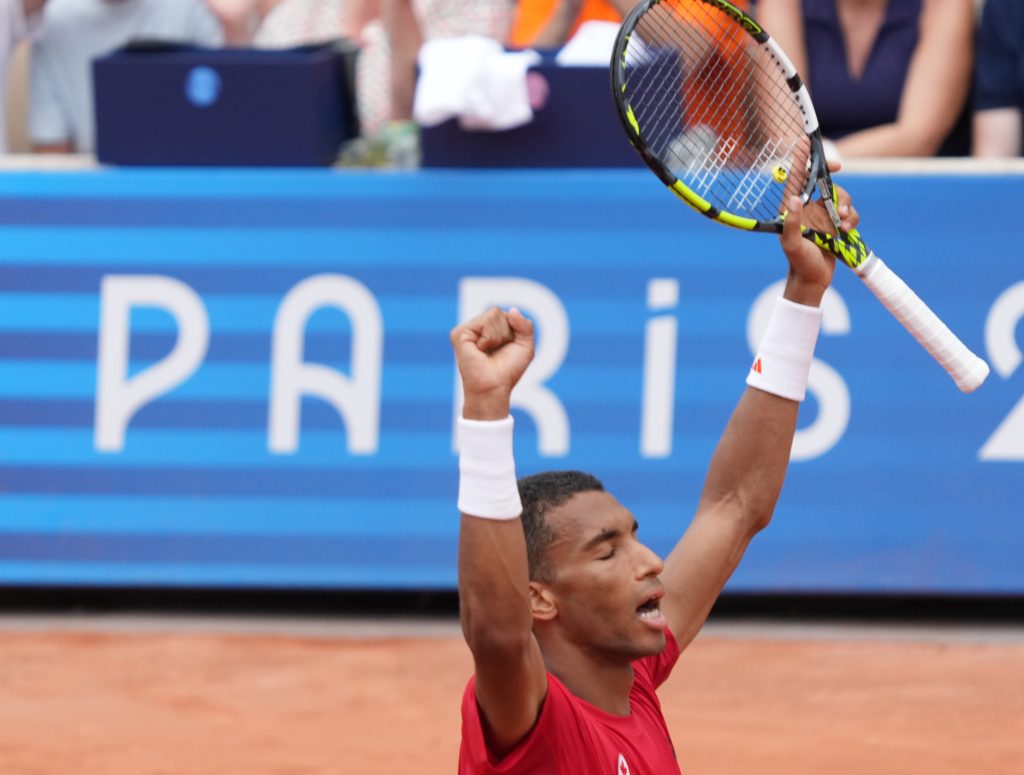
(572, 622)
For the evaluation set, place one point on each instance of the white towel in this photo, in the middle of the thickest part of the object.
(591, 45)
(474, 79)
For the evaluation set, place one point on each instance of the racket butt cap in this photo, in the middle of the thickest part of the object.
(972, 377)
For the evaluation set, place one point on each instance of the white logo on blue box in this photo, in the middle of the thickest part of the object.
(202, 86)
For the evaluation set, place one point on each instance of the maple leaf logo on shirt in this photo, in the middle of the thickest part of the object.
(623, 768)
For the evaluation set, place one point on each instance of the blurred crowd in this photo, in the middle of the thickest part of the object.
(888, 77)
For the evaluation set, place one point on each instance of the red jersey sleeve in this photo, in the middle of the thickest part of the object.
(554, 741)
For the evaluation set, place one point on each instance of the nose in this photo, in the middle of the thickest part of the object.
(650, 564)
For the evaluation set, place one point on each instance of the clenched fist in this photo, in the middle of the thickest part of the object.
(492, 351)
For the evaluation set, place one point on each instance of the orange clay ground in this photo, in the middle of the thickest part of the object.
(175, 698)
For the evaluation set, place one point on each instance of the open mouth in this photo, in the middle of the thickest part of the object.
(649, 611)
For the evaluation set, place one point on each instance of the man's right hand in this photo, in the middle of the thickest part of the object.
(492, 351)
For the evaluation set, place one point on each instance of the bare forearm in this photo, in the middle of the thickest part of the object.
(493, 572)
(493, 582)
(749, 465)
(405, 39)
(742, 486)
(891, 140)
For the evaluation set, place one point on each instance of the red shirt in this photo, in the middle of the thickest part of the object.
(572, 737)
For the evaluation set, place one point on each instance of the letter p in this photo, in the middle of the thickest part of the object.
(119, 397)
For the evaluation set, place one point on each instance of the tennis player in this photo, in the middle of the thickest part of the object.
(572, 622)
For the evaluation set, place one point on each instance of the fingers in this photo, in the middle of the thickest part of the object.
(519, 323)
(492, 329)
(797, 179)
(847, 212)
(791, 232)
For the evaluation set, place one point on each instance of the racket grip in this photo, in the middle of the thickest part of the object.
(967, 369)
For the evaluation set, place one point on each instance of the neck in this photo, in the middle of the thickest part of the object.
(603, 683)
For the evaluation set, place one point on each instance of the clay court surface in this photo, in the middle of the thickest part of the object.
(176, 696)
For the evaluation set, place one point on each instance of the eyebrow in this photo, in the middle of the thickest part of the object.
(608, 534)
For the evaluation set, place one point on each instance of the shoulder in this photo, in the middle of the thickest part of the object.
(555, 736)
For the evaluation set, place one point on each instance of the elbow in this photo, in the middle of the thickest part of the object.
(924, 136)
(759, 520)
(756, 514)
(926, 141)
(743, 513)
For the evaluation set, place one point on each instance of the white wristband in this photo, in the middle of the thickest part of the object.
(783, 360)
(487, 470)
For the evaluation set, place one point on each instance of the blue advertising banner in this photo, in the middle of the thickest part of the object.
(243, 378)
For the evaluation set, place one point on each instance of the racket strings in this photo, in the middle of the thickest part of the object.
(750, 69)
(694, 26)
(713, 107)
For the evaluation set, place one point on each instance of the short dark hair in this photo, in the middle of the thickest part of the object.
(540, 493)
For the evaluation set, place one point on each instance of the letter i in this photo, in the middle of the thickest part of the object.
(660, 339)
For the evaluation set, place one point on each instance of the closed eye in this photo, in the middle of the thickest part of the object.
(608, 555)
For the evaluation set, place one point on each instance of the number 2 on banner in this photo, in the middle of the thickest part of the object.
(1007, 441)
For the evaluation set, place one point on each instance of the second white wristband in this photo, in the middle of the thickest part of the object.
(783, 360)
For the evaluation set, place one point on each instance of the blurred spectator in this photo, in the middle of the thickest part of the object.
(390, 33)
(74, 32)
(888, 77)
(407, 24)
(999, 85)
(306, 22)
(15, 19)
(240, 18)
(550, 23)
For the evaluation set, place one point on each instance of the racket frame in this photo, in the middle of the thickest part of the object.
(967, 369)
(846, 246)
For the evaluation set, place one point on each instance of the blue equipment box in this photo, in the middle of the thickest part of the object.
(577, 127)
(159, 104)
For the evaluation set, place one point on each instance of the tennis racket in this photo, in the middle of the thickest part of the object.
(718, 112)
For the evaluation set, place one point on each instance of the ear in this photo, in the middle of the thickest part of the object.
(543, 604)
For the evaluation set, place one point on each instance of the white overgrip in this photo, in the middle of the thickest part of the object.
(967, 369)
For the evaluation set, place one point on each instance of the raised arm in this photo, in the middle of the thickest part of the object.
(492, 351)
(749, 465)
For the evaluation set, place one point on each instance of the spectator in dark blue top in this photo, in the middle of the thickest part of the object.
(999, 83)
(888, 77)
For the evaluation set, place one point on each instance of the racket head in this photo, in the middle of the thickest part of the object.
(717, 111)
